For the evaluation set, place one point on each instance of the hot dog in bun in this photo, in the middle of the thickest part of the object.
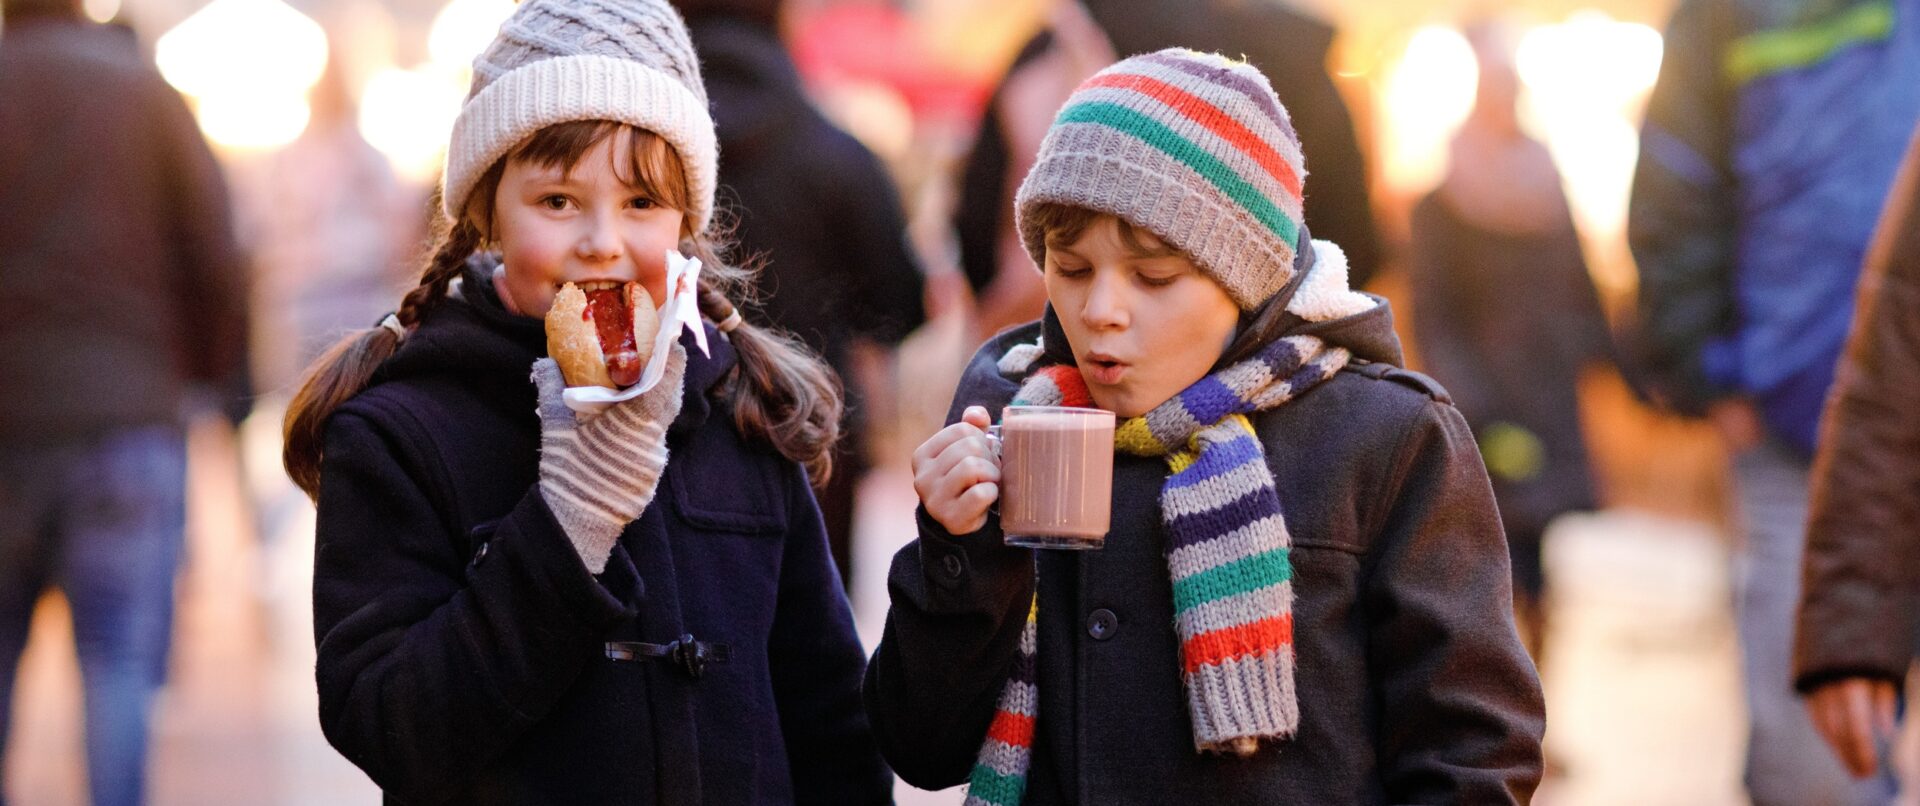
(602, 334)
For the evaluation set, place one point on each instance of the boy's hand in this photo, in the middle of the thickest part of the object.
(957, 474)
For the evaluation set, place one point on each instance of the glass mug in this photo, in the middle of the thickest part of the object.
(1056, 476)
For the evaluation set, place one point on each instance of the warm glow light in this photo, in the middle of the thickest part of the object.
(874, 113)
(243, 48)
(1590, 59)
(101, 10)
(1586, 79)
(252, 123)
(408, 115)
(248, 65)
(1428, 94)
(464, 28)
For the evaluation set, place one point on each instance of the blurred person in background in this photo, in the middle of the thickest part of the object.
(1857, 620)
(1507, 316)
(121, 289)
(1770, 141)
(1089, 34)
(817, 210)
(330, 228)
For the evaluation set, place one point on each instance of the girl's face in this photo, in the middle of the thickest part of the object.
(1144, 323)
(588, 223)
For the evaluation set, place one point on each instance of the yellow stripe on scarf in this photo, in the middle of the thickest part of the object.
(1133, 436)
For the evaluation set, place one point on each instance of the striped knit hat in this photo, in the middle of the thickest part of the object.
(556, 61)
(1195, 148)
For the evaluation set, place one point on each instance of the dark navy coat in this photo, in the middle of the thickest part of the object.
(464, 648)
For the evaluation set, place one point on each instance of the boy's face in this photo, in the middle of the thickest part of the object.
(583, 226)
(1143, 324)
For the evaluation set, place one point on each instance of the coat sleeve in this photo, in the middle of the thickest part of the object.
(431, 664)
(1462, 710)
(1680, 223)
(953, 630)
(959, 603)
(1857, 616)
(817, 665)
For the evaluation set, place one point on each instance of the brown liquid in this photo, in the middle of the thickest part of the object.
(1056, 475)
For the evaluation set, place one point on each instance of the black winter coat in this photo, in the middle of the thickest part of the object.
(1413, 686)
(463, 646)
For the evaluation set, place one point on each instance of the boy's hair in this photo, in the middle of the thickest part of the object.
(1062, 224)
(779, 391)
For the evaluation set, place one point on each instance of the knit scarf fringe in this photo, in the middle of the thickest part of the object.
(1227, 551)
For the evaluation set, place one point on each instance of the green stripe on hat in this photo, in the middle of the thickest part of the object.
(1156, 134)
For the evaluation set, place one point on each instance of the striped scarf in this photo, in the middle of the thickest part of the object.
(1226, 550)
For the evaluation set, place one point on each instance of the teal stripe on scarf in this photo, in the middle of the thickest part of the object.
(1239, 576)
(992, 787)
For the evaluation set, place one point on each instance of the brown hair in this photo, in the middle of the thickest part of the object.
(780, 392)
(1062, 224)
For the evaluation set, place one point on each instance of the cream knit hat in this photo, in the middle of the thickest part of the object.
(556, 61)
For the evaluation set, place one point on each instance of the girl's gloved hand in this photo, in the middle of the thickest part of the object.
(598, 472)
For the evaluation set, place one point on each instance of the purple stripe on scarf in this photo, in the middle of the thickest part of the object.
(1212, 523)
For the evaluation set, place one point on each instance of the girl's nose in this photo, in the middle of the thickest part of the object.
(601, 241)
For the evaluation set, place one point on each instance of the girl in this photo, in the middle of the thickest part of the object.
(514, 608)
(1304, 598)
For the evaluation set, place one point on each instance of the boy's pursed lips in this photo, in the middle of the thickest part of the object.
(1104, 368)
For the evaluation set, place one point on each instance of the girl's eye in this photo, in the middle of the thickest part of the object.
(1159, 282)
(554, 202)
(641, 203)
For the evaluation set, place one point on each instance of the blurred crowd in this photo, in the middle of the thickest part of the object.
(1732, 336)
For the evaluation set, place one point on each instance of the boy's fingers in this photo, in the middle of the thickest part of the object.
(966, 447)
(977, 417)
(937, 444)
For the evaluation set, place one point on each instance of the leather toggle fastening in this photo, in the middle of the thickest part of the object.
(691, 656)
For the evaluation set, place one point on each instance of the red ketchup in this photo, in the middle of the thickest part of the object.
(607, 309)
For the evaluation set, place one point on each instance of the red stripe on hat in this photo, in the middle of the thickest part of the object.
(1199, 111)
(1011, 729)
(1219, 646)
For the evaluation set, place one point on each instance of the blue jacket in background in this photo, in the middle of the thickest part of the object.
(1770, 143)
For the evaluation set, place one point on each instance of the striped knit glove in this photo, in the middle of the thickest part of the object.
(598, 472)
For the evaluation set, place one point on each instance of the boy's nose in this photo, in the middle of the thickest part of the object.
(1106, 304)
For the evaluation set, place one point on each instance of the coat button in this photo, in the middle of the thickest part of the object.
(1102, 624)
(952, 565)
(480, 553)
